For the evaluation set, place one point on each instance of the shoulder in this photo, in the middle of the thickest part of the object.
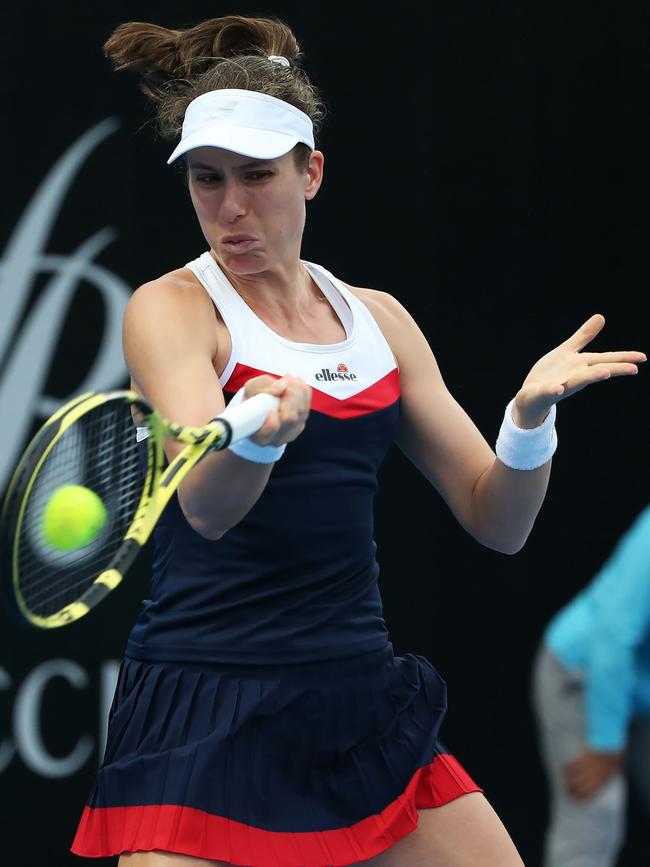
(394, 320)
(174, 308)
(384, 307)
(178, 291)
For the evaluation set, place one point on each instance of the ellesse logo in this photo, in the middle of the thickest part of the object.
(342, 372)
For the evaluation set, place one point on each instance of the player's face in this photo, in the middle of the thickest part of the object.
(252, 212)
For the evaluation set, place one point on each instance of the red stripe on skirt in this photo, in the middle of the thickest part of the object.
(105, 831)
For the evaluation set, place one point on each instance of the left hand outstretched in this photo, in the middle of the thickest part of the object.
(566, 369)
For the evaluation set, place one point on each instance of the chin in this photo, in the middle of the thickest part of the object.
(244, 263)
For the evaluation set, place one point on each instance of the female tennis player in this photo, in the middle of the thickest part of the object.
(261, 717)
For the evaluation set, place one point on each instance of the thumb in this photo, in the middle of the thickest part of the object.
(279, 386)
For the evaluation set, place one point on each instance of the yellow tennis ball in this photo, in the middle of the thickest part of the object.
(73, 517)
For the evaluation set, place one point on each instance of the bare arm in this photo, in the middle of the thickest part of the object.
(170, 341)
(495, 504)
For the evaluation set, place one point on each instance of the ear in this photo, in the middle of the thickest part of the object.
(314, 174)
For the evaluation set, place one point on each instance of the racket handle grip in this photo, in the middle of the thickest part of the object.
(248, 416)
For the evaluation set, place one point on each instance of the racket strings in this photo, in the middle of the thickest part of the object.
(43, 590)
(100, 452)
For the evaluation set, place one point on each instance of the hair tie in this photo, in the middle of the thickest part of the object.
(276, 58)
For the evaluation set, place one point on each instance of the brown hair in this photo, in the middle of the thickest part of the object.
(176, 66)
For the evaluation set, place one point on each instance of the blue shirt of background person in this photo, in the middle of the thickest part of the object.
(604, 633)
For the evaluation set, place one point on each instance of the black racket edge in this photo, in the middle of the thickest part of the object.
(9, 516)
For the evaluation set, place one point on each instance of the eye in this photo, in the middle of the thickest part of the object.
(261, 175)
(206, 178)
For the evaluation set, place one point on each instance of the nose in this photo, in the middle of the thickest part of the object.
(233, 202)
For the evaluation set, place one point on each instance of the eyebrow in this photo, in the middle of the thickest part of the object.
(249, 165)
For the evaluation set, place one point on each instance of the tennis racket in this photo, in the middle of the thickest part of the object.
(91, 441)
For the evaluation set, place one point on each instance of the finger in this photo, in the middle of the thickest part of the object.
(582, 793)
(297, 385)
(299, 393)
(622, 369)
(574, 789)
(582, 784)
(264, 383)
(278, 388)
(269, 429)
(629, 357)
(294, 410)
(597, 373)
(289, 412)
(586, 333)
(577, 789)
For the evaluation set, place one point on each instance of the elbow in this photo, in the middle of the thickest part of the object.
(209, 533)
(511, 546)
(503, 538)
(508, 546)
(510, 550)
(206, 525)
(205, 529)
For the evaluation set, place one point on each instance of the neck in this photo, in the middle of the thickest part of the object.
(284, 292)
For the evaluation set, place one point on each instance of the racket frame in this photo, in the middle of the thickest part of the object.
(158, 488)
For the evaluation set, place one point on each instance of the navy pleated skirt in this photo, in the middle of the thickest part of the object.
(312, 765)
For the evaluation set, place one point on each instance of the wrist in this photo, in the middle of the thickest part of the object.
(526, 422)
(249, 450)
(526, 448)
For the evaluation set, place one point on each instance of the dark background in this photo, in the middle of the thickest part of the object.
(486, 163)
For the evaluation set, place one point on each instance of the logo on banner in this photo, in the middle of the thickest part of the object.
(28, 342)
(50, 681)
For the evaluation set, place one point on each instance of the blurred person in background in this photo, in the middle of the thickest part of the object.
(591, 695)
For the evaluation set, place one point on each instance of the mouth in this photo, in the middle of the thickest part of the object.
(237, 242)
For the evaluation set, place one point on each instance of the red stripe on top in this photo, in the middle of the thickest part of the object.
(105, 831)
(377, 396)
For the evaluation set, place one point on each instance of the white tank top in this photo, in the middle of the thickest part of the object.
(338, 372)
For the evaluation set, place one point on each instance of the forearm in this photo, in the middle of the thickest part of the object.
(220, 491)
(508, 495)
(225, 486)
(505, 503)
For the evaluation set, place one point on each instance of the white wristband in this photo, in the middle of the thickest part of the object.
(522, 449)
(250, 451)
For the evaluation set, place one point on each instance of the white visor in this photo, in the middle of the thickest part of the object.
(245, 122)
